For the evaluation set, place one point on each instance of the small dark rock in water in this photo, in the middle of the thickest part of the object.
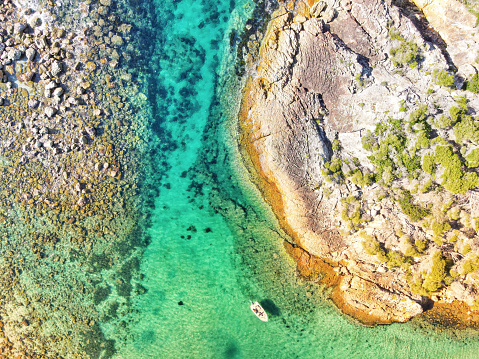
(180, 302)
(208, 230)
(183, 174)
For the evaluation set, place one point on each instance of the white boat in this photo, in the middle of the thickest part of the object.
(259, 311)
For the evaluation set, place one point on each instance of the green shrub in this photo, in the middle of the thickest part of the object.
(438, 272)
(454, 236)
(335, 145)
(361, 179)
(420, 245)
(368, 141)
(423, 140)
(473, 158)
(407, 53)
(419, 116)
(412, 252)
(395, 259)
(413, 211)
(427, 186)
(334, 165)
(454, 213)
(454, 273)
(473, 84)
(412, 163)
(454, 178)
(439, 227)
(443, 122)
(470, 265)
(428, 164)
(466, 130)
(371, 245)
(466, 249)
(395, 35)
(456, 114)
(442, 78)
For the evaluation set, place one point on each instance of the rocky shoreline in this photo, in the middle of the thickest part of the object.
(353, 122)
(73, 164)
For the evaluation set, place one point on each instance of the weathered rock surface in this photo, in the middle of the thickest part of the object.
(368, 297)
(318, 85)
(457, 26)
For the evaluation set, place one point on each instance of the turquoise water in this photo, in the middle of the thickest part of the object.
(214, 244)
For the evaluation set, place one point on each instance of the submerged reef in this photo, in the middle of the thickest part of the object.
(359, 126)
(74, 164)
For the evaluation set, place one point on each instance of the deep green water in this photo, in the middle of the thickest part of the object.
(214, 244)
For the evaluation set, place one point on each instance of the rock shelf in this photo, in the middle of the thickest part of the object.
(354, 120)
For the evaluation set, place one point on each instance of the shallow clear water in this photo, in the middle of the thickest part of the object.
(202, 267)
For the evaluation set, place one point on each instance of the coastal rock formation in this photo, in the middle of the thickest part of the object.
(356, 132)
(457, 27)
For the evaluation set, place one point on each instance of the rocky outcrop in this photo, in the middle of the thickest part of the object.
(457, 26)
(320, 85)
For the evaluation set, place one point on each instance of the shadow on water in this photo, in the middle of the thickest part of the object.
(271, 308)
(232, 351)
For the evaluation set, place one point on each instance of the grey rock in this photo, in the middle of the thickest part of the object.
(50, 111)
(90, 131)
(50, 85)
(42, 42)
(57, 68)
(18, 28)
(34, 22)
(116, 40)
(58, 92)
(318, 8)
(30, 54)
(14, 54)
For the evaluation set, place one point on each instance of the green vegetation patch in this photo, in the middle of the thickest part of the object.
(470, 265)
(466, 130)
(438, 273)
(442, 78)
(454, 178)
(414, 211)
(407, 53)
(473, 84)
(473, 158)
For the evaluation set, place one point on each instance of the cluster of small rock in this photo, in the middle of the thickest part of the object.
(70, 159)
